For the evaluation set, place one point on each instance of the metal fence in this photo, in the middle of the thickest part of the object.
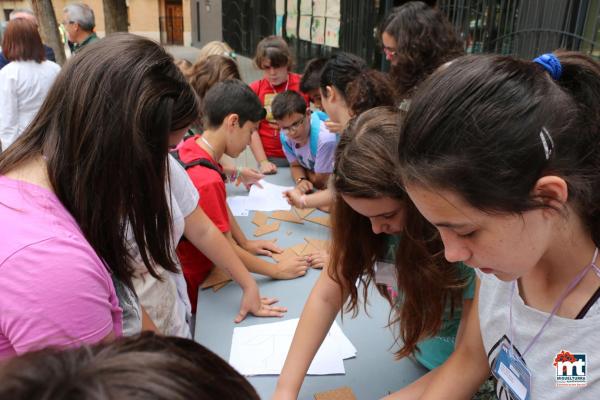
(526, 28)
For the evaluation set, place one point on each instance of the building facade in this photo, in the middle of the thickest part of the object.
(167, 21)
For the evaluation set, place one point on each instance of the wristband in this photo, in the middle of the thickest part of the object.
(303, 201)
(302, 178)
(263, 161)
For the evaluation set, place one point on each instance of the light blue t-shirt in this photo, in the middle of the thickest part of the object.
(318, 153)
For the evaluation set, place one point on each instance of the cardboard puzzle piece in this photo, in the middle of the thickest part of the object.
(263, 230)
(287, 216)
(299, 248)
(260, 218)
(217, 276)
(303, 212)
(318, 243)
(287, 253)
(320, 220)
(309, 249)
(343, 393)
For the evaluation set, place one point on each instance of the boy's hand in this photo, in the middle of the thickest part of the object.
(262, 247)
(249, 176)
(267, 167)
(293, 197)
(290, 268)
(318, 259)
(334, 127)
(258, 306)
(304, 186)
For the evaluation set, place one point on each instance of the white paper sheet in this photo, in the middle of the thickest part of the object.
(261, 349)
(269, 198)
(238, 206)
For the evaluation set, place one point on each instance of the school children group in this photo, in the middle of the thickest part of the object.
(466, 188)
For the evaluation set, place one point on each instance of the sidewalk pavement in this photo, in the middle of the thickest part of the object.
(247, 69)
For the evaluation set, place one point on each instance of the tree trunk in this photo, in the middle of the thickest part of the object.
(115, 16)
(47, 20)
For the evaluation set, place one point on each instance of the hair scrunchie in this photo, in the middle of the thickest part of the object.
(551, 64)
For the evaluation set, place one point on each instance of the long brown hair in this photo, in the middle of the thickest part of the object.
(104, 131)
(366, 166)
(22, 41)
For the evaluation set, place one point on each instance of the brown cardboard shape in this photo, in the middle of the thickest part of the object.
(343, 393)
(303, 212)
(217, 276)
(287, 253)
(260, 218)
(287, 216)
(320, 220)
(263, 230)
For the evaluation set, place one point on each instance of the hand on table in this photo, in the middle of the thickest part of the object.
(262, 247)
(249, 177)
(334, 127)
(293, 197)
(318, 259)
(258, 306)
(291, 268)
(267, 167)
(305, 186)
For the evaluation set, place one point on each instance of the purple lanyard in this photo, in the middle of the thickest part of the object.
(562, 298)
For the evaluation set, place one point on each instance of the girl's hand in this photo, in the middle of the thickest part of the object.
(291, 268)
(267, 167)
(318, 259)
(262, 247)
(293, 197)
(258, 306)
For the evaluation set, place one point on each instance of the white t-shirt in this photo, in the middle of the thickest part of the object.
(578, 337)
(167, 302)
(23, 88)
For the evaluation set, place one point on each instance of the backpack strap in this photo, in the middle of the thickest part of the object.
(315, 127)
(204, 162)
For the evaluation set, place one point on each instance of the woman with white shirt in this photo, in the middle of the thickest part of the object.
(24, 82)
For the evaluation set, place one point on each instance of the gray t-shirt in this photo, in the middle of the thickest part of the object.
(572, 340)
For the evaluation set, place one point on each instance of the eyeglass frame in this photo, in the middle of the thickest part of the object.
(295, 126)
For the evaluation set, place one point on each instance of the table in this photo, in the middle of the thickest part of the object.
(371, 374)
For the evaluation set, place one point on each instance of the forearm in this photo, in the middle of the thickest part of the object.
(319, 180)
(415, 390)
(297, 172)
(317, 316)
(205, 236)
(257, 148)
(251, 262)
(236, 231)
(319, 199)
(147, 323)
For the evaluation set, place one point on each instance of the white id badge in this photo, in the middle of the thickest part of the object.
(512, 372)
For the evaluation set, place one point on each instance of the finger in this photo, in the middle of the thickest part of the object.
(276, 309)
(264, 252)
(241, 316)
(268, 300)
(269, 313)
(270, 246)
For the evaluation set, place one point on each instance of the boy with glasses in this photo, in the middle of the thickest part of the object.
(307, 143)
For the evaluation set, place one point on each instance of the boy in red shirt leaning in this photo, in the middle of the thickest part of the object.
(232, 113)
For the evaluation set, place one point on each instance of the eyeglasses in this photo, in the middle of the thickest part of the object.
(389, 51)
(294, 127)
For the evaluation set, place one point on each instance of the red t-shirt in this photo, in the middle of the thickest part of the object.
(210, 186)
(268, 129)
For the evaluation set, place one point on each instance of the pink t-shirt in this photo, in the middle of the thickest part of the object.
(54, 290)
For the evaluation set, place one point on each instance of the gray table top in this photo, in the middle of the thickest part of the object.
(372, 374)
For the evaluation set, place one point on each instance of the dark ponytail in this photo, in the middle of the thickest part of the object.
(488, 127)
